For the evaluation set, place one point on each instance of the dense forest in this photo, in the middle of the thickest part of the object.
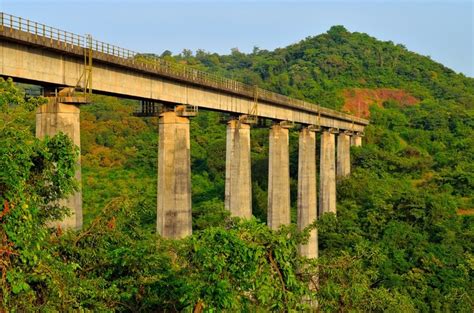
(402, 240)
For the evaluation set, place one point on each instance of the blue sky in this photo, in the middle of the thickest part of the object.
(441, 29)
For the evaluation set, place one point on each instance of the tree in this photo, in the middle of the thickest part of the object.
(34, 174)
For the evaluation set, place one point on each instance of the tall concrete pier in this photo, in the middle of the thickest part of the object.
(356, 140)
(238, 184)
(52, 118)
(307, 205)
(343, 154)
(278, 178)
(174, 177)
(327, 176)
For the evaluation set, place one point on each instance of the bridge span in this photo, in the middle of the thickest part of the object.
(64, 63)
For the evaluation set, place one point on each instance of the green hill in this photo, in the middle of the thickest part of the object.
(398, 242)
(322, 70)
(318, 68)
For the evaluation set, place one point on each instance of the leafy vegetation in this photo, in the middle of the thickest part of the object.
(397, 243)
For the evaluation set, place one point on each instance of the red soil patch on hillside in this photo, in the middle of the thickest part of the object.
(466, 212)
(358, 100)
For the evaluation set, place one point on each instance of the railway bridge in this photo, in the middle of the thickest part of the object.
(70, 67)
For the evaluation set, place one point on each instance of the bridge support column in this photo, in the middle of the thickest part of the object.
(327, 176)
(174, 177)
(278, 178)
(356, 140)
(343, 155)
(238, 184)
(307, 205)
(52, 118)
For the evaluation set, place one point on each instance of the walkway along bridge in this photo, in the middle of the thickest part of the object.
(70, 67)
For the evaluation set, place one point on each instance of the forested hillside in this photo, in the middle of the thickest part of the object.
(397, 244)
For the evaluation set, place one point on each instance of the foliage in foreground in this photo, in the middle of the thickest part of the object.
(34, 174)
(116, 264)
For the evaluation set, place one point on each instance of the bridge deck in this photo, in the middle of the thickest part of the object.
(26, 45)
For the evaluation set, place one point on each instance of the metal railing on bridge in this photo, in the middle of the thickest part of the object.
(10, 22)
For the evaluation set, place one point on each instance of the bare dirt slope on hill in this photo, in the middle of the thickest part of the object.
(358, 100)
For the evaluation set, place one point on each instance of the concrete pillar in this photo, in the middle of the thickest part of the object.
(278, 178)
(238, 183)
(356, 140)
(52, 118)
(307, 205)
(327, 175)
(174, 177)
(343, 155)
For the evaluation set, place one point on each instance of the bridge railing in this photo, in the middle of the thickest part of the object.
(14, 22)
(180, 71)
